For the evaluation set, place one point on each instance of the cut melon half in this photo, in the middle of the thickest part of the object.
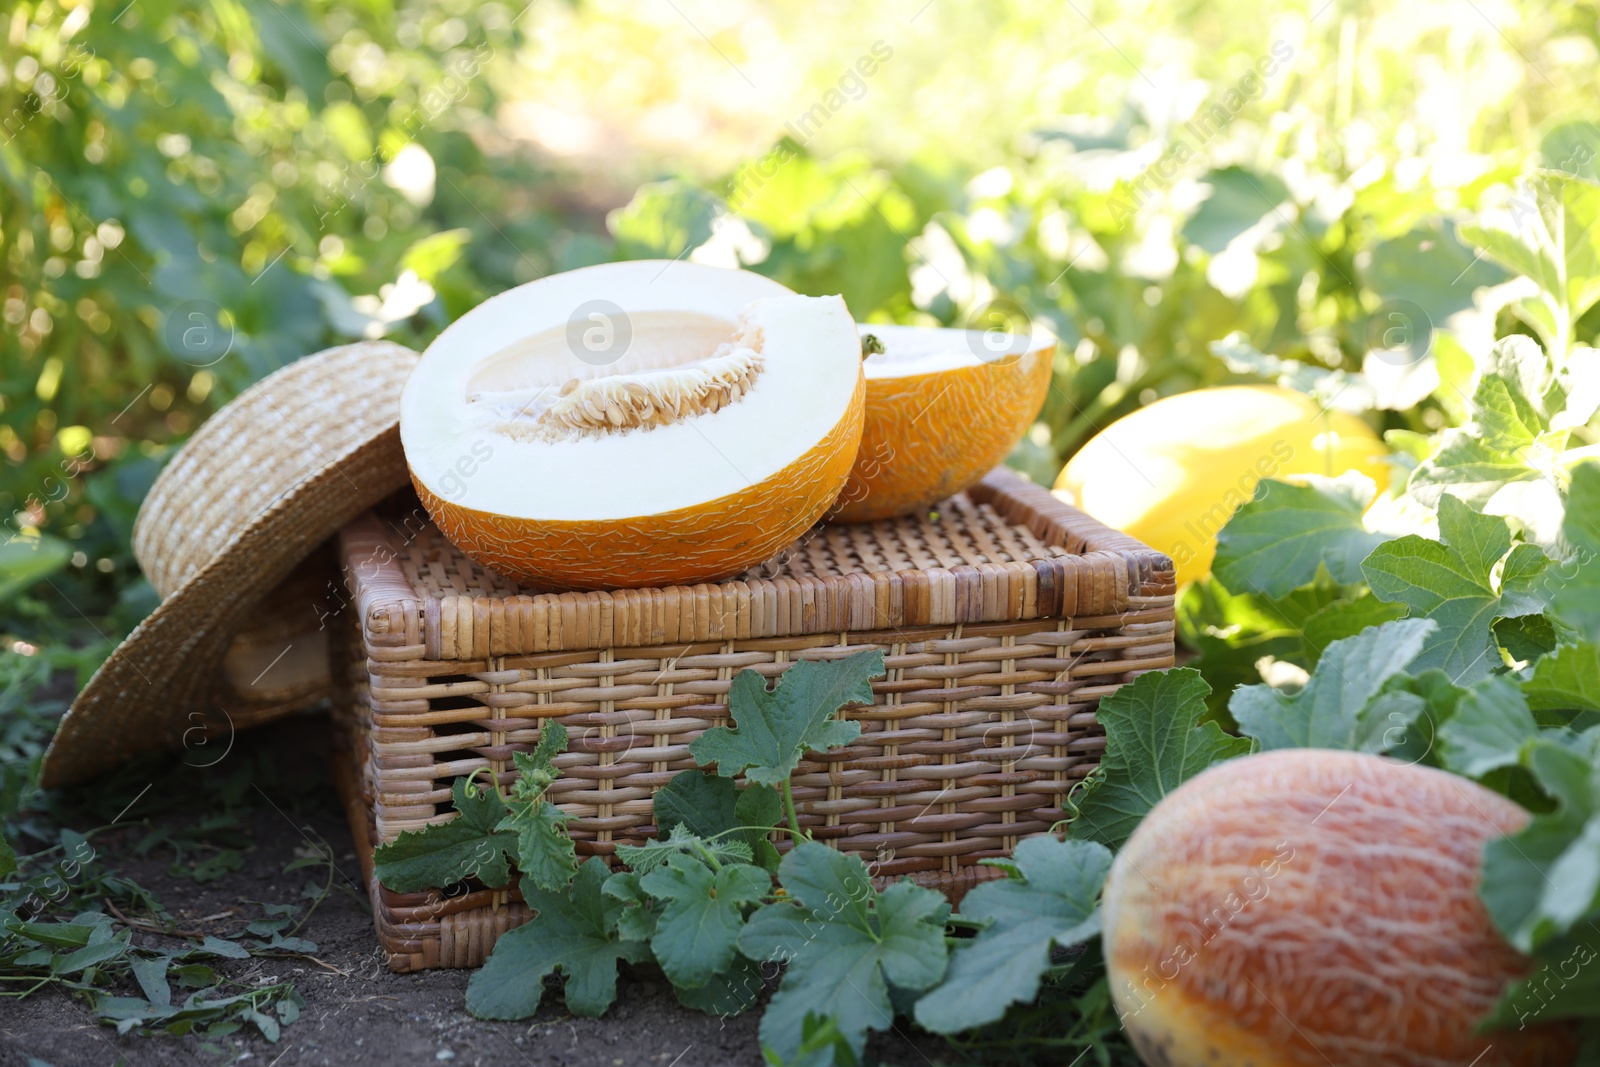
(944, 408)
(632, 424)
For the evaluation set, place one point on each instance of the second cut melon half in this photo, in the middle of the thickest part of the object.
(944, 408)
(632, 424)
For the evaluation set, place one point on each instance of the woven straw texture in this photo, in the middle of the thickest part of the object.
(258, 489)
(279, 662)
(1004, 621)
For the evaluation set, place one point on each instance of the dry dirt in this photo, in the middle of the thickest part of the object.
(356, 1011)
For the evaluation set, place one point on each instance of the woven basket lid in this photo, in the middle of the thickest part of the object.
(262, 484)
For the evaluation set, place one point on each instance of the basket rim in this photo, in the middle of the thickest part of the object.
(1105, 573)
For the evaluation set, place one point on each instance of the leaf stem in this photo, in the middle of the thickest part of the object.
(707, 855)
(746, 829)
(494, 780)
(794, 817)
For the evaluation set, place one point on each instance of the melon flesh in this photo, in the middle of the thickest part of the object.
(712, 441)
(1306, 907)
(944, 408)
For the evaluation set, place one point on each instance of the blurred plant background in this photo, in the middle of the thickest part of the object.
(197, 193)
(194, 193)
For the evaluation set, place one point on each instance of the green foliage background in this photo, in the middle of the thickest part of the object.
(194, 193)
(178, 173)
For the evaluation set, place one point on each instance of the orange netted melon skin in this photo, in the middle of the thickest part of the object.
(929, 436)
(707, 542)
(1307, 907)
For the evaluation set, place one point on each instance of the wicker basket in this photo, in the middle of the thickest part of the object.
(1005, 618)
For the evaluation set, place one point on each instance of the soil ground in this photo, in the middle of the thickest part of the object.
(357, 1012)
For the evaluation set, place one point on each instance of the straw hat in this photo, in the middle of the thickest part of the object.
(241, 510)
(282, 661)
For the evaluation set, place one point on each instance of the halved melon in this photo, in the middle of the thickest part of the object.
(944, 407)
(642, 423)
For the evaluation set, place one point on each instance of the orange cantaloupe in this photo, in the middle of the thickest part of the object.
(1305, 907)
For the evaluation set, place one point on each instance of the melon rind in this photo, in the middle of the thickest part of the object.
(708, 542)
(928, 436)
(1305, 907)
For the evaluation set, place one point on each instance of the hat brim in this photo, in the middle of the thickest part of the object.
(324, 460)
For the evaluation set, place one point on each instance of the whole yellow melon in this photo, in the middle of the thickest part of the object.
(1172, 473)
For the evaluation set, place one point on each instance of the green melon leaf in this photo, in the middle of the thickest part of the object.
(573, 932)
(710, 806)
(647, 857)
(698, 929)
(844, 944)
(637, 919)
(1575, 583)
(1236, 200)
(1351, 392)
(1155, 741)
(1453, 582)
(729, 992)
(1342, 619)
(1510, 449)
(1566, 680)
(472, 845)
(774, 728)
(1277, 541)
(1491, 723)
(1329, 711)
(545, 851)
(1525, 638)
(1051, 899)
(664, 220)
(1538, 883)
(1553, 240)
(1566, 986)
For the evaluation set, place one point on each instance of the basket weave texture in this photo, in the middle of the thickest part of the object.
(1004, 618)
